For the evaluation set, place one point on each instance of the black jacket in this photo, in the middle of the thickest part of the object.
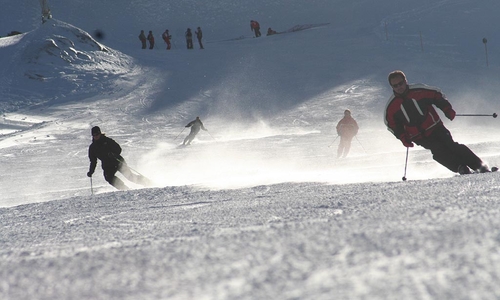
(108, 151)
(196, 125)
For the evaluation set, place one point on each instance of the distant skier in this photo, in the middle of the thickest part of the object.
(166, 37)
(347, 128)
(151, 40)
(199, 36)
(255, 27)
(411, 117)
(189, 38)
(142, 38)
(108, 152)
(195, 125)
(270, 31)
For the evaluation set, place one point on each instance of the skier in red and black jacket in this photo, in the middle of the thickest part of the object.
(410, 115)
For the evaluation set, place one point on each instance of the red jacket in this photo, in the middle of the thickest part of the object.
(166, 37)
(413, 114)
(347, 127)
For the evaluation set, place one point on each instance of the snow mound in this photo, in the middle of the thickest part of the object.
(57, 59)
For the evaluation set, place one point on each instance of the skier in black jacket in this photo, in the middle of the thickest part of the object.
(108, 151)
(195, 125)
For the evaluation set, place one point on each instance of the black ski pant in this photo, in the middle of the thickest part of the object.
(122, 167)
(191, 136)
(257, 31)
(448, 152)
(344, 146)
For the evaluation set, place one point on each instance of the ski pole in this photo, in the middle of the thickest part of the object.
(91, 187)
(180, 133)
(133, 170)
(494, 115)
(137, 173)
(127, 166)
(334, 141)
(211, 135)
(360, 144)
(406, 163)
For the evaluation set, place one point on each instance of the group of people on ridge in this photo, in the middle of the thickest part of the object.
(409, 115)
(189, 37)
(150, 38)
(254, 27)
(166, 36)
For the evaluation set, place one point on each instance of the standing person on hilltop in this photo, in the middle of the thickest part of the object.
(151, 40)
(142, 38)
(410, 115)
(166, 37)
(199, 36)
(108, 152)
(195, 125)
(189, 38)
(347, 128)
(255, 27)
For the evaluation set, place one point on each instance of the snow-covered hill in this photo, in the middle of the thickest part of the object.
(257, 207)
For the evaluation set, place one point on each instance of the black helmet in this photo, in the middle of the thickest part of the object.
(95, 130)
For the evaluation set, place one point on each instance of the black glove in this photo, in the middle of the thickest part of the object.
(89, 174)
(111, 155)
(450, 113)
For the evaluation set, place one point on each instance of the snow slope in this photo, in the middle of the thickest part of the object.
(257, 207)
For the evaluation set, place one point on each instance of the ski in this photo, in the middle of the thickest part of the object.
(470, 172)
(493, 169)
